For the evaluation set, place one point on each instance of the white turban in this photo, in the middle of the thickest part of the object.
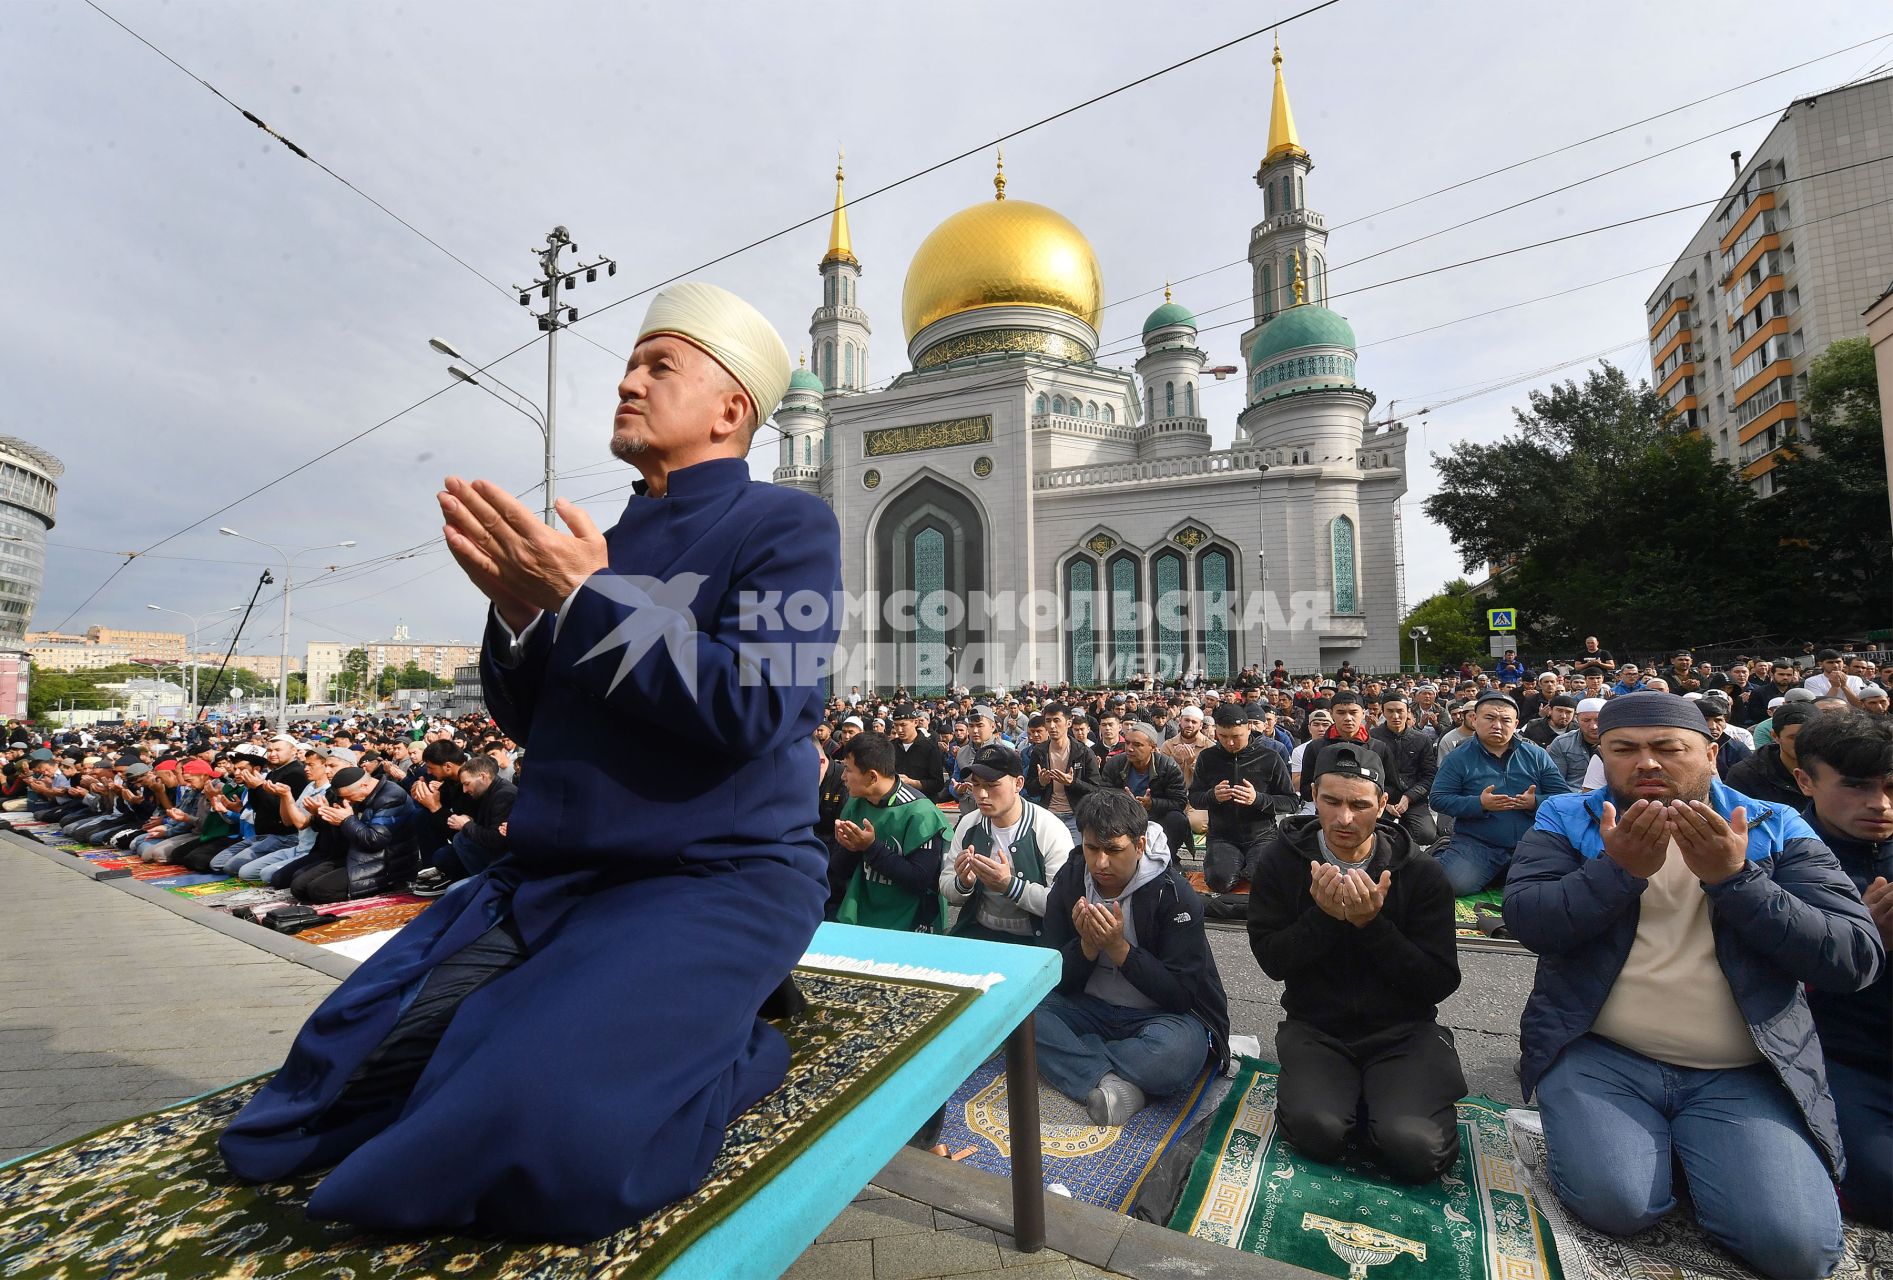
(1589, 705)
(732, 332)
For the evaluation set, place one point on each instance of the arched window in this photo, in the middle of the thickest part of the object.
(847, 292)
(828, 291)
(788, 451)
(1314, 277)
(1268, 290)
(1268, 202)
(824, 447)
(808, 451)
(1216, 587)
(1091, 410)
(1038, 405)
(1126, 637)
(1110, 414)
(1058, 404)
(847, 364)
(1171, 605)
(1150, 402)
(1341, 543)
(1261, 380)
(828, 364)
(930, 641)
(1169, 399)
(1288, 190)
(1081, 641)
(1189, 400)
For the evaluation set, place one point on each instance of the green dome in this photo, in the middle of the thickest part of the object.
(1168, 314)
(1304, 326)
(805, 380)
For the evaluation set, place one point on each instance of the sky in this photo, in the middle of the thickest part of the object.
(193, 311)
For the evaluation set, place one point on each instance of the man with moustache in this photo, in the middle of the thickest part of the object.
(555, 1048)
(1675, 922)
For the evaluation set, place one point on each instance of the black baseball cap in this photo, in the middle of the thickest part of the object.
(1231, 714)
(906, 711)
(994, 761)
(1355, 762)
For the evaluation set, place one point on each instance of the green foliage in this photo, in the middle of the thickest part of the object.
(1836, 536)
(1615, 522)
(1455, 621)
(411, 676)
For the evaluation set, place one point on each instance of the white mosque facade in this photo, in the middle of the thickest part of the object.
(1013, 508)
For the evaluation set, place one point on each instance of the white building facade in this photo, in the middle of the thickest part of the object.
(1014, 509)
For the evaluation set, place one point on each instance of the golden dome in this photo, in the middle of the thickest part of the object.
(1002, 253)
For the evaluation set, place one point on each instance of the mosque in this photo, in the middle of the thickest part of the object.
(1019, 509)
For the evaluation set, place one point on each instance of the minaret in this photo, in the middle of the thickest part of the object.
(804, 427)
(1290, 233)
(1171, 370)
(839, 330)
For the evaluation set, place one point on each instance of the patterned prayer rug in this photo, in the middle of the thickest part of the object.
(1100, 1165)
(214, 887)
(355, 905)
(1252, 1191)
(360, 923)
(1676, 1248)
(151, 1196)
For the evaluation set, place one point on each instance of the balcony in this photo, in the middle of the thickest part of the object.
(1663, 318)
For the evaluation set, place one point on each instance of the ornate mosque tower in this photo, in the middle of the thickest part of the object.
(839, 329)
(1171, 369)
(803, 423)
(1291, 236)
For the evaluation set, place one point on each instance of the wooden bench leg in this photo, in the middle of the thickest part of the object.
(1022, 1119)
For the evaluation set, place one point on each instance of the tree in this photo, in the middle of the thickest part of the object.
(1455, 622)
(1615, 521)
(298, 691)
(354, 676)
(411, 676)
(1831, 510)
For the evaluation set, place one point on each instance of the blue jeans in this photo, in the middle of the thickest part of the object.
(1864, 1100)
(1470, 863)
(258, 869)
(1081, 1037)
(1614, 1118)
(238, 856)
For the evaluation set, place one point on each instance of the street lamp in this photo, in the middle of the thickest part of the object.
(532, 415)
(193, 621)
(1416, 635)
(282, 670)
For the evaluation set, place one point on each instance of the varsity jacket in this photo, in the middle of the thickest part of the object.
(1037, 854)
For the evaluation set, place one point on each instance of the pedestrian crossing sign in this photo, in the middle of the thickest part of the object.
(1501, 619)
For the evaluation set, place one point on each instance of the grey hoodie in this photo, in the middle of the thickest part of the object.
(1106, 982)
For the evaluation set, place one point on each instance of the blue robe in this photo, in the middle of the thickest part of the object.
(664, 878)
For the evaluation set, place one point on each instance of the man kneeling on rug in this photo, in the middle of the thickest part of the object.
(1139, 1009)
(1675, 922)
(1359, 926)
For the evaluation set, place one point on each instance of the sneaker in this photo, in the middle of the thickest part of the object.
(431, 883)
(1114, 1101)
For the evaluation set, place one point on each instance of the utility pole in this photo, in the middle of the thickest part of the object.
(551, 280)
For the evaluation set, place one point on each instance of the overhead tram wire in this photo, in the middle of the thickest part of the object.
(776, 235)
(980, 149)
(1544, 155)
(300, 153)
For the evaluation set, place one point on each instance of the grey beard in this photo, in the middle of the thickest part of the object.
(625, 450)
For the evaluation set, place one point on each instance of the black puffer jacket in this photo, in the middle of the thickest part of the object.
(1764, 777)
(1258, 764)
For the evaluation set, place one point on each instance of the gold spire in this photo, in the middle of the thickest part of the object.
(1295, 257)
(801, 359)
(999, 178)
(1282, 139)
(1166, 291)
(839, 250)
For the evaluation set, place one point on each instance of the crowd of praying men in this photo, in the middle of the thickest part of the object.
(1700, 859)
(1686, 849)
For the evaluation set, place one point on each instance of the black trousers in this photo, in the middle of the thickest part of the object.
(323, 882)
(1421, 825)
(1225, 862)
(388, 1075)
(1404, 1079)
(1176, 829)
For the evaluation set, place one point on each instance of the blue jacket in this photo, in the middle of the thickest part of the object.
(1791, 916)
(1469, 769)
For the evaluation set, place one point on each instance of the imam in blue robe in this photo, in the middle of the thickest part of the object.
(664, 879)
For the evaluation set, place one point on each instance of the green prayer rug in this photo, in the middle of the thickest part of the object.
(1251, 1190)
(151, 1197)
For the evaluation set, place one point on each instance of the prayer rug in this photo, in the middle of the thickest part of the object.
(1101, 1165)
(360, 923)
(355, 905)
(1466, 930)
(151, 1196)
(251, 895)
(211, 888)
(1252, 1191)
(1676, 1248)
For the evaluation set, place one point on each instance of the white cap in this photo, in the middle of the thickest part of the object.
(1190, 713)
(853, 720)
(1587, 705)
(1775, 702)
(1872, 691)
